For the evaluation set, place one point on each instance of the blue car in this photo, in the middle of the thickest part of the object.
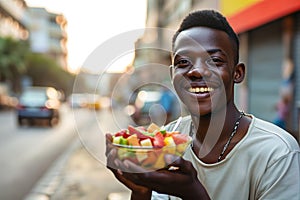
(38, 103)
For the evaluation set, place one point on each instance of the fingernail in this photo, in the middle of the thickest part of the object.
(116, 163)
(126, 164)
(119, 172)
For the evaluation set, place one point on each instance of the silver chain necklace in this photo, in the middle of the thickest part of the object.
(236, 125)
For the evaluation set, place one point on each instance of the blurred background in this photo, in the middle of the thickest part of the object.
(48, 44)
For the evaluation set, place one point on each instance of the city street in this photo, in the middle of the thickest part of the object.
(27, 152)
(85, 175)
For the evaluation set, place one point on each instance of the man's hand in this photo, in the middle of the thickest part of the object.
(178, 179)
(114, 164)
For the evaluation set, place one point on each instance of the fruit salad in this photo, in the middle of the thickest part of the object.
(147, 147)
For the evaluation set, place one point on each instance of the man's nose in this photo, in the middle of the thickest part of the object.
(200, 69)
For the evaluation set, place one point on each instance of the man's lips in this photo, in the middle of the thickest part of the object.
(201, 92)
(200, 89)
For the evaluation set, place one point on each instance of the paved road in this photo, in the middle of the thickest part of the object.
(27, 152)
(80, 173)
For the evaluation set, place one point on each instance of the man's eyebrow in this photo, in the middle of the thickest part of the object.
(183, 52)
(212, 51)
(208, 51)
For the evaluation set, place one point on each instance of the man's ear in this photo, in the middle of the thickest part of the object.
(239, 72)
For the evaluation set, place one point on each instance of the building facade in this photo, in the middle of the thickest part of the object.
(47, 34)
(11, 19)
(270, 47)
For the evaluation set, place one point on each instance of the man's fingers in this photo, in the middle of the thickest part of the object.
(109, 146)
(108, 137)
(178, 163)
(134, 168)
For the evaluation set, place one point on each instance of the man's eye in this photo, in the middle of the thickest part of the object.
(182, 63)
(214, 61)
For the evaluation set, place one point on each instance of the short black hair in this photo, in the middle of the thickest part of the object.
(210, 19)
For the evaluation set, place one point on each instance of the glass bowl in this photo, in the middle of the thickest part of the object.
(149, 157)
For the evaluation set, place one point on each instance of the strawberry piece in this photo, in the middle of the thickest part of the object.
(180, 138)
(139, 133)
(123, 133)
(158, 140)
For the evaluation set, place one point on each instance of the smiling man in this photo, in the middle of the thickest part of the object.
(233, 155)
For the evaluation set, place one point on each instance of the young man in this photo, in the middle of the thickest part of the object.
(233, 155)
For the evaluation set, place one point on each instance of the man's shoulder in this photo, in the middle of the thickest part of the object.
(269, 131)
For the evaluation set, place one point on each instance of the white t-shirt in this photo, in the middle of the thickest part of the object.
(265, 164)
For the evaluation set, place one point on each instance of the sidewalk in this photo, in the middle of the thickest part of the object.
(77, 175)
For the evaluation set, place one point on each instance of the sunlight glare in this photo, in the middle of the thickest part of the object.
(91, 22)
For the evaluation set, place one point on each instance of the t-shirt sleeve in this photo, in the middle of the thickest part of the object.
(281, 179)
(158, 196)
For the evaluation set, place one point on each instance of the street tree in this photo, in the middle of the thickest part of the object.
(44, 71)
(12, 61)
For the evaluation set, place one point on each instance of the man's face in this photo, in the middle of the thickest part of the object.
(203, 69)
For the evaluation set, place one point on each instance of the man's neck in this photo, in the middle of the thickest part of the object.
(215, 128)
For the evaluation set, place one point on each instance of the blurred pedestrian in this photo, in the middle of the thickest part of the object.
(234, 155)
(282, 108)
(167, 101)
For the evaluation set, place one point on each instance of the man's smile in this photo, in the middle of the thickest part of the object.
(200, 89)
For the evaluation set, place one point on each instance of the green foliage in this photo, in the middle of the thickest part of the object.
(12, 56)
(44, 71)
(17, 60)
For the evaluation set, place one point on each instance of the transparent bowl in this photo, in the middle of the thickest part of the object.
(150, 158)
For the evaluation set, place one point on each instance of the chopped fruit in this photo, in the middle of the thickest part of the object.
(120, 140)
(181, 142)
(133, 140)
(158, 142)
(146, 143)
(116, 139)
(152, 157)
(160, 162)
(141, 128)
(180, 138)
(123, 141)
(163, 131)
(170, 145)
(141, 156)
(171, 133)
(124, 154)
(180, 148)
(152, 128)
(138, 132)
(123, 133)
(168, 141)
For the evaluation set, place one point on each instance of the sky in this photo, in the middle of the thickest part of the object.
(94, 22)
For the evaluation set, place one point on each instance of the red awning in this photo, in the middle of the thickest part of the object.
(262, 13)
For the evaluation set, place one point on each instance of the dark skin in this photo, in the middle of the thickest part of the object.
(209, 68)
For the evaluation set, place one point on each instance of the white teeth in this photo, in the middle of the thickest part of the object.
(200, 89)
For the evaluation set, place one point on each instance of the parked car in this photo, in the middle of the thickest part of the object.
(153, 103)
(93, 101)
(143, 101)
(77, 100)
(38, 103)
